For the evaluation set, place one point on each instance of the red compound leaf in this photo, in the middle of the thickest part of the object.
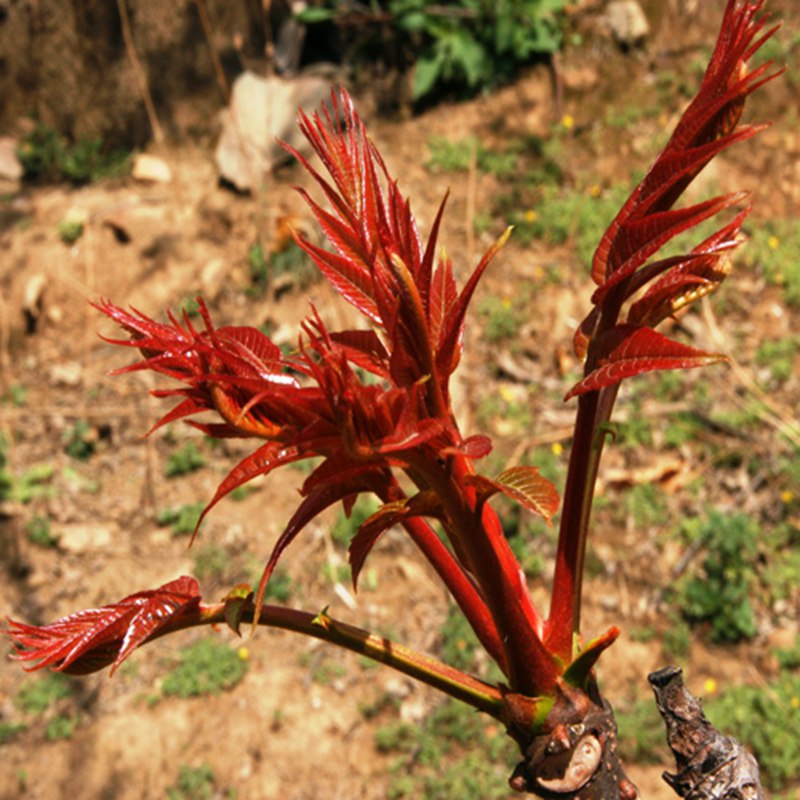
(90, 640)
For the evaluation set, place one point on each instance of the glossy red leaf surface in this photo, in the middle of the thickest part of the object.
(524, 485)
(91, 640)
(629, 350)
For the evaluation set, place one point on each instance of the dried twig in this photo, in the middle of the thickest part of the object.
(205, 23)
(141, 77)
(710, 766)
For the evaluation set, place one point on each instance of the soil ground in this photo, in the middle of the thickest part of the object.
(295, 727)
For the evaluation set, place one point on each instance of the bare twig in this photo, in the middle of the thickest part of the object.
(205, 23)
(141, 77)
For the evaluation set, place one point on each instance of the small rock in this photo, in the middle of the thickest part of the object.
(151, 169)
(10, 166)
(213, 277)
(68, 373)
(261, 111)
(628, 23)
(33, 300)
(83, 537)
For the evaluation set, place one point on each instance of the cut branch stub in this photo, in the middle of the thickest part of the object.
(710, 766)
(575, 754)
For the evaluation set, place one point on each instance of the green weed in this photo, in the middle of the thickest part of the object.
(641, 733)
(717, 593)
(46, 154)
(182, 519)
(448, 155)
(779, 356)
(62, 726)
(79, 441)
(10, 730)
(767, 720)
(70, 230)
(206, 667)
(211, 561)
(39, 532)
(182, 462)
(345, 528)
(432, 764)
(774, 249)
(36, 695)
(194, 783)
(291, 263)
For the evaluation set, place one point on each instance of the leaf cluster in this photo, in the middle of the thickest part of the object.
(463, 46)
(47, 155)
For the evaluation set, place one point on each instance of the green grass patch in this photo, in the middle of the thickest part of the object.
(184, 461)
(454, 754)
(194, 783)
(767, 720)
(206, 667)
(36, 695)
(717, 591)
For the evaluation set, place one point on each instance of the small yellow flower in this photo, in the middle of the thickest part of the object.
(773, 242)
(787, 496)
(795, 702)
(531, 215)
(506, 303)
(710, 686)
(507, 394)
(595, 190)
(243, 653)
(568, 121)
(556, 448)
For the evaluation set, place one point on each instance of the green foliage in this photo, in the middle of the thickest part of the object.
(459, 642)
(641, 733)
(774, 249)
(48, 155)
(211, 561)
(482, 46)
(206, 667)
(448, 155)
(181, 519)
(61, 726)
(70, 230)
(565, 215)
(345, 528)
(279, 588)
(781, 575)
(502, 317)
(767, 720)
(465, 45)
(677, 638)
(39, 532)
(9, 730)
(36, 695)
(431, 764)
(718, 592)
(779, 356)
(646, 505)
(79, 441)
(291, 264)
(185, 460)
(194, 783)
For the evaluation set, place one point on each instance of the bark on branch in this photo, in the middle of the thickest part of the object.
(710, 766)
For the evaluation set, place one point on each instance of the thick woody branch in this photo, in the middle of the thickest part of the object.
(710, 766)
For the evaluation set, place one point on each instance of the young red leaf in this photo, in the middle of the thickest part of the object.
(91, 640)
(423, 504)
(706, 128)
(629, 350)
(523, 484)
